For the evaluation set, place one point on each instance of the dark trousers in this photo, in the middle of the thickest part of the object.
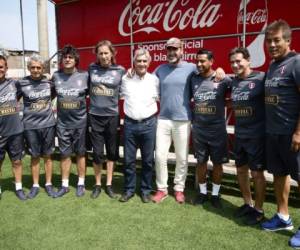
(139, 134)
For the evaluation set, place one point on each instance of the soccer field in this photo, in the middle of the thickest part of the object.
(83, 223)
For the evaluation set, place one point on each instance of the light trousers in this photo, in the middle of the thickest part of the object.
(179, 133)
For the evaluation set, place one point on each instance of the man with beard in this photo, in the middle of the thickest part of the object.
(174, 120)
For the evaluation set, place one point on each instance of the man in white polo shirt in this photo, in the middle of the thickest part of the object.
(140, 93)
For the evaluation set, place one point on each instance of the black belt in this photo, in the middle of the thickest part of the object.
(139, 121)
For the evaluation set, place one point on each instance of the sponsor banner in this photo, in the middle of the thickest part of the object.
(213, 24)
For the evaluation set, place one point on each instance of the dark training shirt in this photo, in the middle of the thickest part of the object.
(248, 104)
(282, 96)
(71, 91)
(37, 96)
(104, 87)
(10, 121)
(209, 99)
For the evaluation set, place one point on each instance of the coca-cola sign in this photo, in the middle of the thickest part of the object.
(165, 16)
(256, 17)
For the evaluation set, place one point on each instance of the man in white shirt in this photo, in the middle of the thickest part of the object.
(140, 93)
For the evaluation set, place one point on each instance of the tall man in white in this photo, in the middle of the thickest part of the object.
(140, 93)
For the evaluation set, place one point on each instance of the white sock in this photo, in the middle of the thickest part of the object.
(65, 182)
(48, 184)
(215, 189)
(36, 185)
(80, 181)
(283, 217)
(203, 188)
(18, 185)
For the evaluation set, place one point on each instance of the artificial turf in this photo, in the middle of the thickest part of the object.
(83, 223)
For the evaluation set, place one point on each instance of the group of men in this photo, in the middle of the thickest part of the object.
(266, 108)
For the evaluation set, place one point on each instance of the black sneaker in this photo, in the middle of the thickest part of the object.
(254, 217)
(110, 192)
(126, 197)
(216, 201)
(243, 210)
(200, 199)
(146, 198)
(61, 192)
(80, 190)
(33, 192)
(21, 195)
(96, 191)
(49, 190)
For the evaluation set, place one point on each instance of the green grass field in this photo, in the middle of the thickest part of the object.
(82, 223)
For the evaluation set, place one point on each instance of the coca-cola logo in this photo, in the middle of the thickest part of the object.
(257, 17)
(168, 15)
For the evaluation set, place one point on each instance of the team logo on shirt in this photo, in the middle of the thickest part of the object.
(243, 111)
(251, 85)
(271, 99)
(216, 84)
(7, 110)
(39, 94)
(205, 110)
(7, 97)
(101, 90)
(282, 69)
(39, 105)
(69, 105)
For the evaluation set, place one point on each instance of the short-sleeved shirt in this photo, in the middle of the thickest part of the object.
(209, 100)
(37, 96)
(104, 87)
(10, 121)
(282, 96)
(247, 97)
(175, 91)
(71, 91)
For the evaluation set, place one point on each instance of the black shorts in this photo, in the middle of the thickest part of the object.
(40, 142)
(13, 145)
(210, 146)
(104, 132)
(251, 152)
(281, 160)
(71, 141)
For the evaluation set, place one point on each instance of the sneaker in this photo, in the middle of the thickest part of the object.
(146, 198)
(80, 190)
(276, 224)
(254, 217)
(33, 192)
(200, 199)
(21, 195)
(295, 240)
(49, 190)
(126, 197)
(179, 197)
(243, 210)
(159, 196)
(110, 192)
(96, 191)
(0, 193)
(61, 192)
(216, 201)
